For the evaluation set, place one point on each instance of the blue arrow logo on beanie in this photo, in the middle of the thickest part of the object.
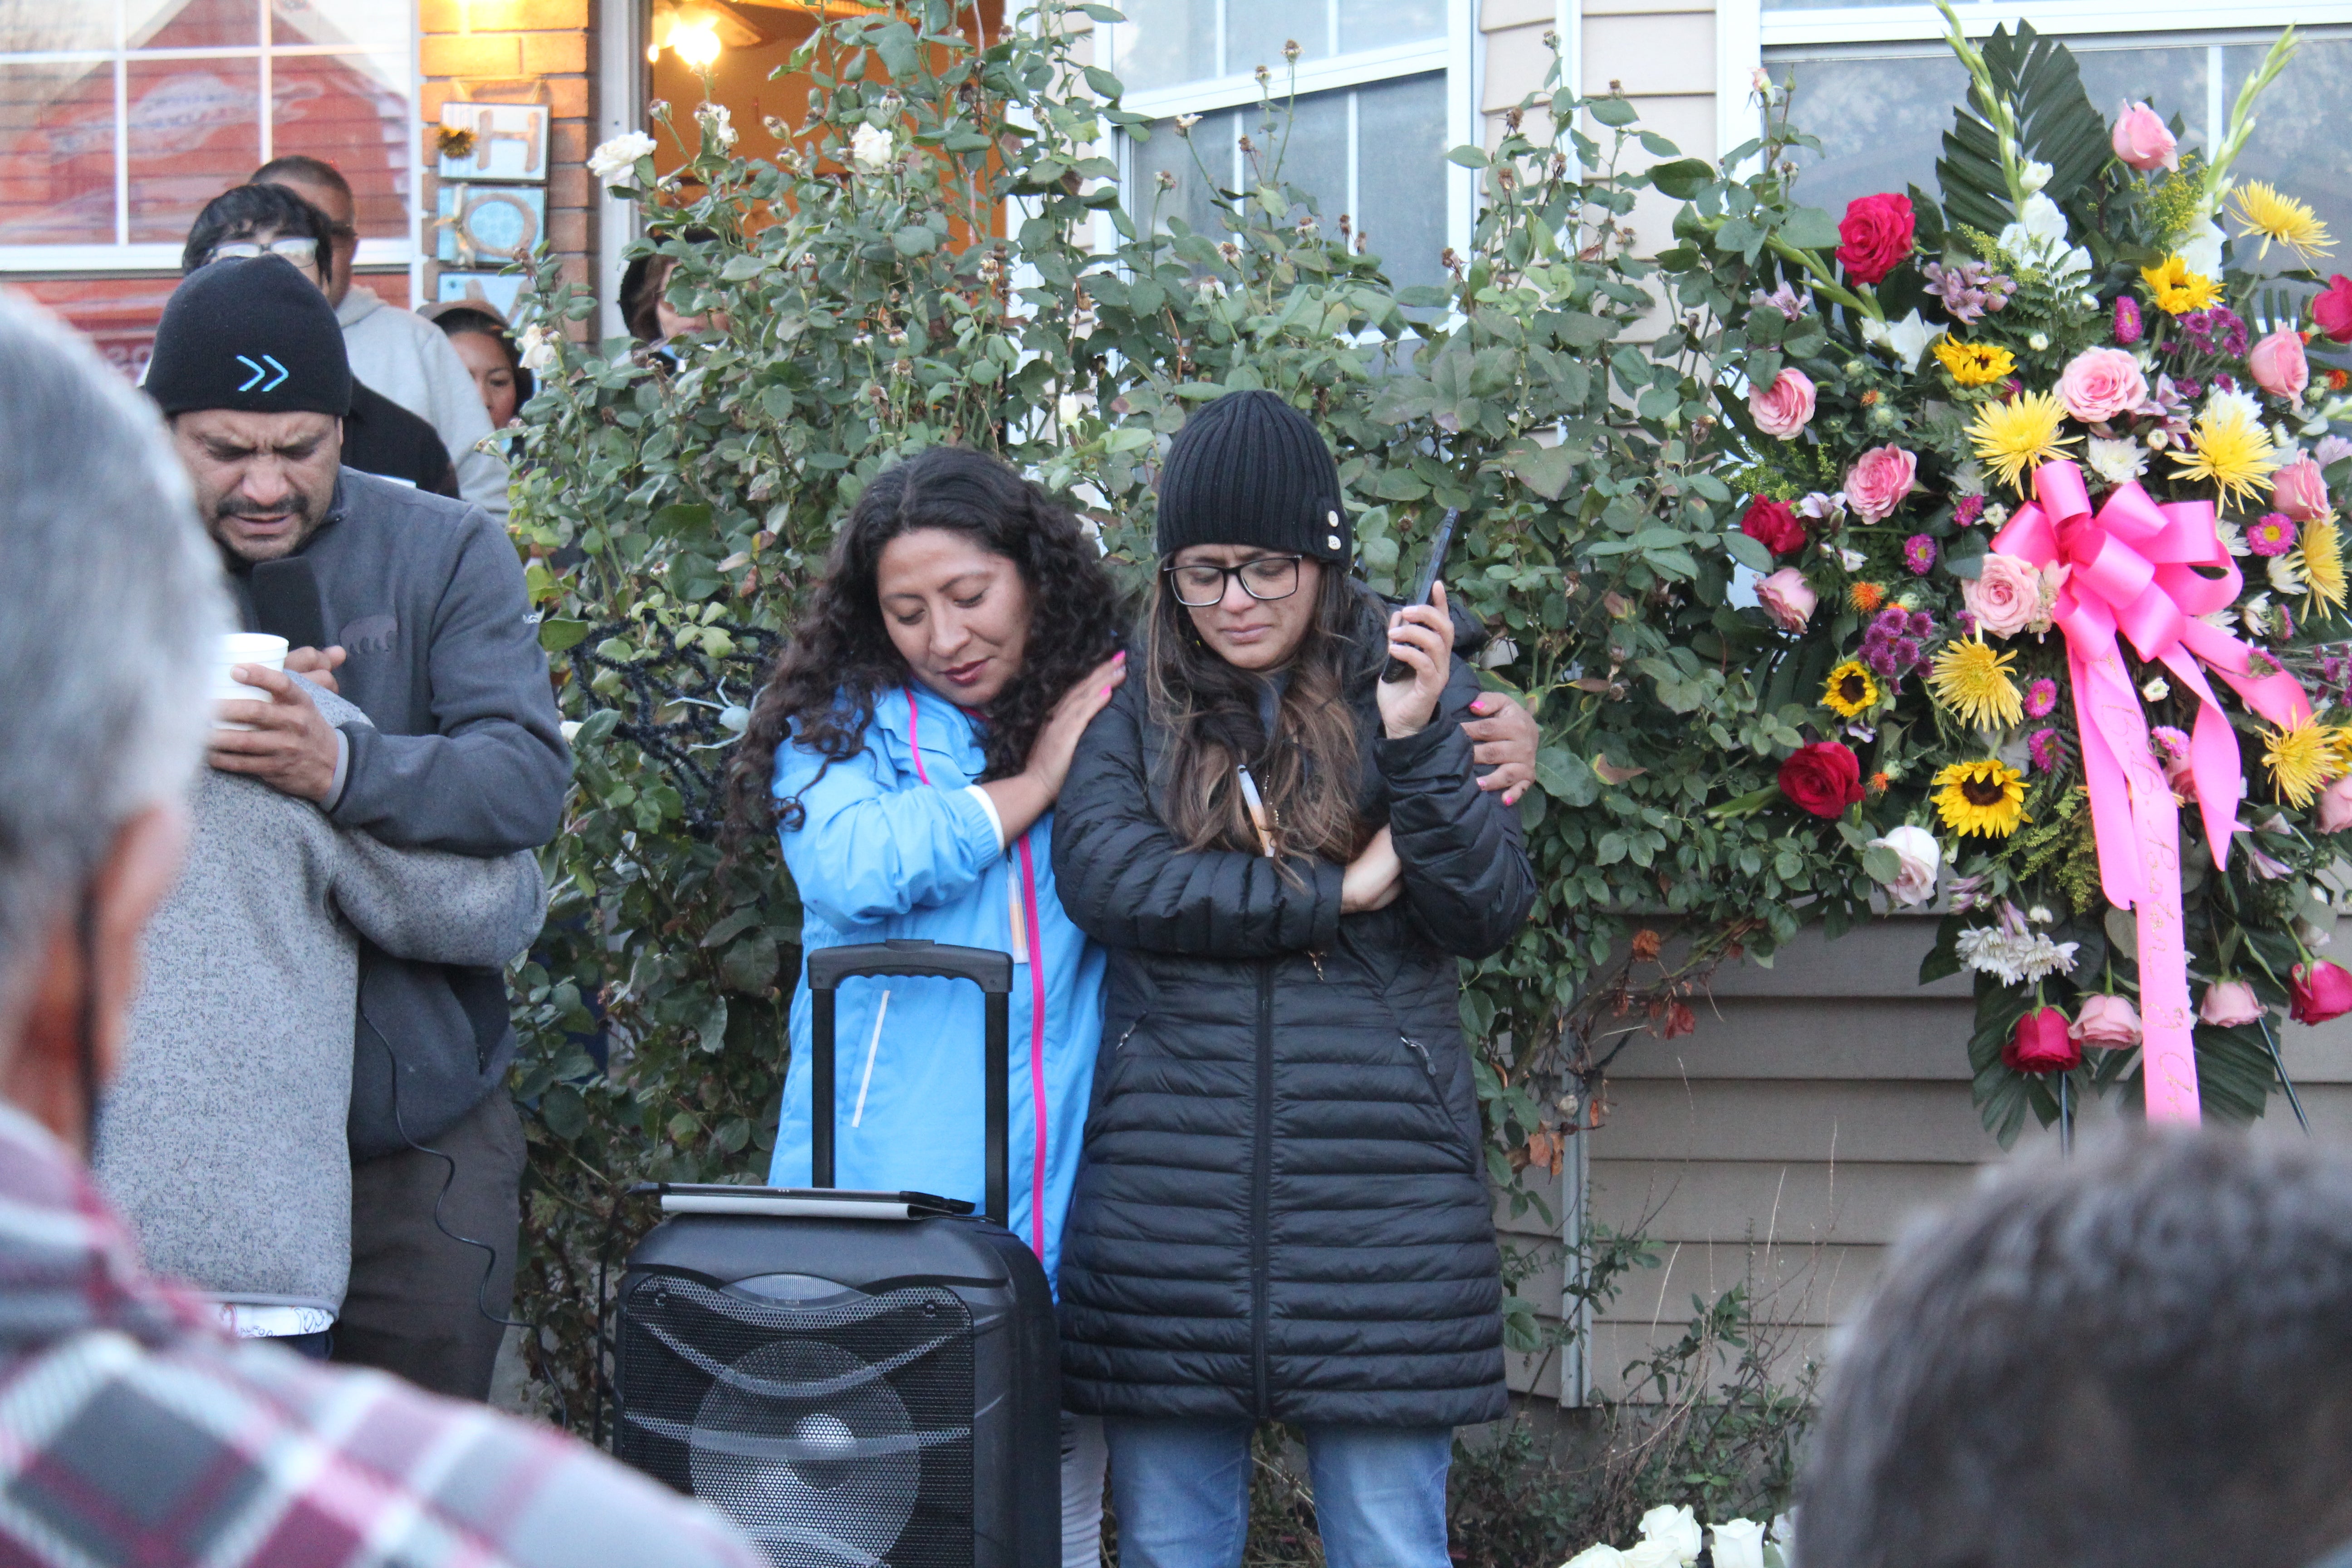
(259, 372)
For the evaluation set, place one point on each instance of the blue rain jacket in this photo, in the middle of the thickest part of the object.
(898, 842)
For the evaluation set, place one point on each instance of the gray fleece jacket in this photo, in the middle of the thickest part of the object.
(222, 1142)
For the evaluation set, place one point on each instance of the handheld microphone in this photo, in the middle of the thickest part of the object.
(286, 602)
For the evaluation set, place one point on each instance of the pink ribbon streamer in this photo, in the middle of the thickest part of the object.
(2133, 570)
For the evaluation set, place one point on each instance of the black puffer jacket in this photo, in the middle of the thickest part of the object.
(1283, 1211)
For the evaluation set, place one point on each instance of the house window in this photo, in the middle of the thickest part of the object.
(1877, 85)
(121, 119)
(1382, 90)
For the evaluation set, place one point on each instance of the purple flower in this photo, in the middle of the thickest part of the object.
(2225, 383)
(2041, 697)
(2273, 533)
(1891, 620)
(2283, 622)
(1785, 299)
(1967, 510)
(2127, 327)
(2173, 743)
(2046, 750)
(1919, 555)
(1968, 290)
(1919, 624)
(1967, 623)
(2190, 387)
(1909, 653)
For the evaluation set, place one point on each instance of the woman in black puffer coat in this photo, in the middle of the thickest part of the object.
(1282, 1212)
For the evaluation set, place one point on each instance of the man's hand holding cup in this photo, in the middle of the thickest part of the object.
(283, 741)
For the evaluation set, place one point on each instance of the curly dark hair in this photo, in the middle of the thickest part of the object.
(821, 693)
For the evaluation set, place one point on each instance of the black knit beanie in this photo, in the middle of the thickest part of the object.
(252, 334)
(1250, 469)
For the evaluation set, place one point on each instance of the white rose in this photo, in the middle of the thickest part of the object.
(1906, 340)
(2156, 690)
(1676, 1528)
(1920, 858)
(873, 148)
(1653, 1553)
(1601, 1556)
(538, 350)
(719, 123)
(2117, 462)
(1738, 1544)
(615, 160)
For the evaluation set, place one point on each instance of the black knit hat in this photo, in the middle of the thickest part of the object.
(251, 335)
(1250, 469)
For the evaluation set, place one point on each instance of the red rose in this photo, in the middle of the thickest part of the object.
(2333, 308)
(2042, 1044)
(1877, 231)
(2318, 992)
(1824, 778)
(1771, 524)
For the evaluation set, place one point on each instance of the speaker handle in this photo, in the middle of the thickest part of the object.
(990, 970)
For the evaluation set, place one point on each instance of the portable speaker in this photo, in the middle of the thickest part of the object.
(866, 1378)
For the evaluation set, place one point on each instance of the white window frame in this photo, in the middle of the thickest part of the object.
(1745, 31)
(122, 256)
(1456, 54)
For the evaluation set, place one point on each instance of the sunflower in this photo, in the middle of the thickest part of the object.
(1974, 365)
(2321, 562)
(1986, 797)
(1850, 692)
(2176, 291)
(2020, 435)
(2292, 222)
(1973, 681)
(2301, 760)
(2229, 449)
(1865, 596)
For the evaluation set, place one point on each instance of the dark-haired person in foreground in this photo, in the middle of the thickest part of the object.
(434, 641)
(135, 1433)
(2140, 1358)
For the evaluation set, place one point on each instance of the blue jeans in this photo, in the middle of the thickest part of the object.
(1182, 1492)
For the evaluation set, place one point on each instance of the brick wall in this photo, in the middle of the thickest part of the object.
(519, 51)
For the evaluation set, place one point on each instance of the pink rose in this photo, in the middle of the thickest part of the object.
(2143, 141)
(2331, 313)
(2099, 384)
(2109, 1021)
(2228, 1003)
(2278, 365)
(1787, 598)
(1879, 480)
(2336, 805)
(2318, 991)
(2299, 490)
(1785, 407)
(2005, 595)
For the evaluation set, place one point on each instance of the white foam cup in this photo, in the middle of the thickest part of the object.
(245, 648)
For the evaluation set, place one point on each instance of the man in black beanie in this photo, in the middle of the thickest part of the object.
(422, 600)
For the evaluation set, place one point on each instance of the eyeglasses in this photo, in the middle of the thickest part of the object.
(301, 250)
(1267, 578)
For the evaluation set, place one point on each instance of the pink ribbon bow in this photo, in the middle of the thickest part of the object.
(2133, 569)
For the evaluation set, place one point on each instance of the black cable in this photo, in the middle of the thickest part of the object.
(490, 1267)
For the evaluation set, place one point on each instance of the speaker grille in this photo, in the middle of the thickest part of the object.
(833, 1433)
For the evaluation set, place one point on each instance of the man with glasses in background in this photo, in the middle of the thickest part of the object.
(401, 354)
(380, 436)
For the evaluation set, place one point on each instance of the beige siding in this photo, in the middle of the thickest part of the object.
(1821, 1107)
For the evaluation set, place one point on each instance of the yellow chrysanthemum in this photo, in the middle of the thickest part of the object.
(2293, 224)
(1974, 365)
(2230, 449)
(1973, 681)
(1986, 797)
(2176, 291)
(2319, 560)
(2018, 436)
(1850, 692)
(2301, 760)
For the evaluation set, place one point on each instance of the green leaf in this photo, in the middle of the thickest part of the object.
(741, 267)
(1811, 228)
(1469, 157)
(1881, 864)
(556, 635)
(712, 1033)
(1683, 178)
(750, 965)
(915, 240)
(1566, 777)
(1748, 553)
(1546, 470)
(563, 1111)
(1614, 112)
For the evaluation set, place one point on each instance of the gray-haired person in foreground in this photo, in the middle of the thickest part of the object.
(131, 1429)
(2140, 1358)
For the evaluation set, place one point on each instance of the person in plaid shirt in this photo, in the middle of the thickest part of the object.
(134, 1432)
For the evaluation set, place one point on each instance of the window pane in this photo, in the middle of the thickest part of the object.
(1400, 175)
(1164, 42)
(1255, 31)
(1212, 144)
(350, 110)
(379, 26)
(46, 26)
(2298, 144)
(1377, 24)
(56, 154)
(195, 131)
(195, 24)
